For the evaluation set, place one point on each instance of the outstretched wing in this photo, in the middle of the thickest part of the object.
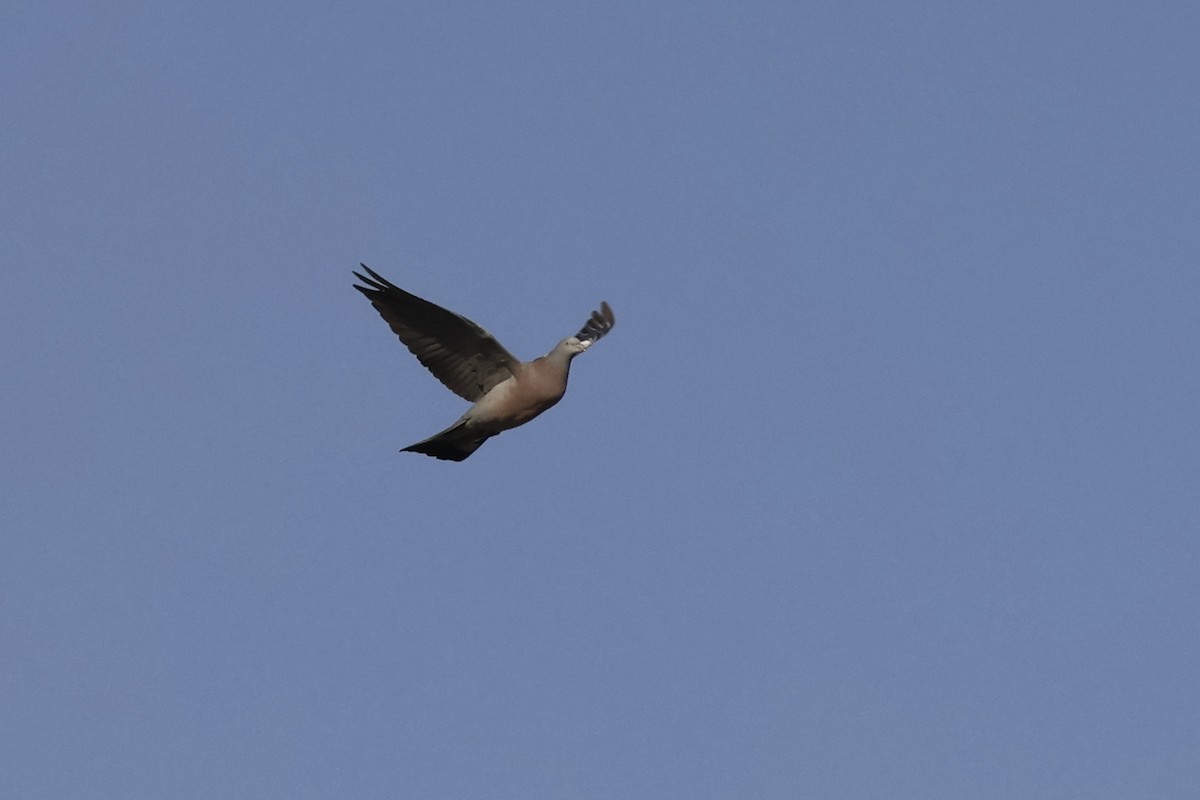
(459, 353)
(600, 323)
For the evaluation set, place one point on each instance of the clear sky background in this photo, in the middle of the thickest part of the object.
(886, 484)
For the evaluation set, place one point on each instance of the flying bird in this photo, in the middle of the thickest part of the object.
(506, 391)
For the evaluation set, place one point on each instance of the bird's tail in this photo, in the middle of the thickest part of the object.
(453, 444)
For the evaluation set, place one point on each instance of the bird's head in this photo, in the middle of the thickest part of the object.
(574, 345)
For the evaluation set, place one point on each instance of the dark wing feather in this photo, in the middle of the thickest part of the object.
(459, 353)
(600, 323)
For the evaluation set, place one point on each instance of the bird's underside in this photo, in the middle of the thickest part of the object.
(468, 360)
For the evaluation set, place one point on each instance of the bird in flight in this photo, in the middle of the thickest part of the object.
(506, 391)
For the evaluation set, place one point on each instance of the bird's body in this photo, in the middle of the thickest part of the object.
(506, 392)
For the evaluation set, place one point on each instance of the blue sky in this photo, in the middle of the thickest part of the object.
(884, 486)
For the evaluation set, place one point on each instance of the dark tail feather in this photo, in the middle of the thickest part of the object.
(453, 444)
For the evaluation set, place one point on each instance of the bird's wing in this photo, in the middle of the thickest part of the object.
(600, 323)
(459, 353)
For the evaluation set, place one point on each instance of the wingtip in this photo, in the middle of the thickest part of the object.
(375, 282)
(598, 324)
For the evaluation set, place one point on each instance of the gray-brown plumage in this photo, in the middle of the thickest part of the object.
(506, 392)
